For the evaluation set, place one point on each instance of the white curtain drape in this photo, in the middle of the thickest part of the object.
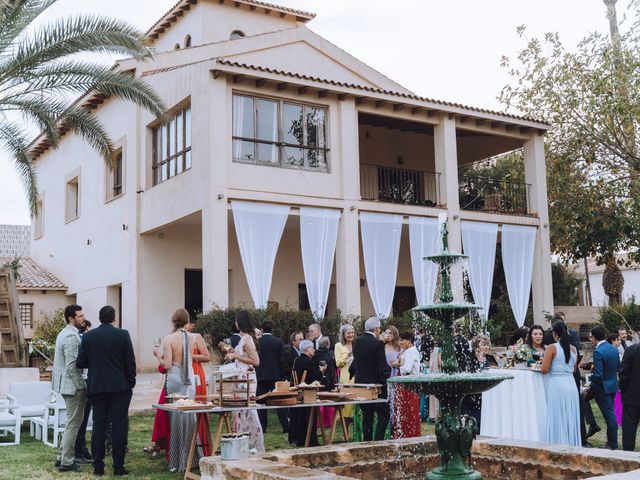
(259, 228)
(423, 241)
(518, 243)
(318, 235)
(479, 243)
(381, 248)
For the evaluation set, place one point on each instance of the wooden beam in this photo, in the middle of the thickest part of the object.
(323, 93)
(360, 100)
(216, 73)
(464, 119)
(343, 96)
(481, 121)
(380, 103)
(238, 78)
(252, 8)
(510, 127)
(525, 129)
(452, 116)
(267, 11)
(260, 82)
(237, 4)
(416, 110)
(221, 1)
(432, 113)
(282, 86)
(303, 90)
(282, 14)
(398, 107)
(496, 124)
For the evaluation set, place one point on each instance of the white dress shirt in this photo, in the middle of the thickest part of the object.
(410, 361)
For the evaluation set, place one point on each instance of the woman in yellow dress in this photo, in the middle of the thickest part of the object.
(344, 355)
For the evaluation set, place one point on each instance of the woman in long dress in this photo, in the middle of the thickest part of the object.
(200, 355)
(406, 412)
(344, 356)
(246, 359)
(176, 358)
(563, 405)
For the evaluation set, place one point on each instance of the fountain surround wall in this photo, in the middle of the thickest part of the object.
(454, 432)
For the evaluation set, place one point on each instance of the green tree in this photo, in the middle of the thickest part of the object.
(41, 76)
(591, 99)
(565, 285)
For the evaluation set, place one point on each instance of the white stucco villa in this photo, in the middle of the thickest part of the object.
(265, 111)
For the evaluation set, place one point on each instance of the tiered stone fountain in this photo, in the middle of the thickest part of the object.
(454, 432)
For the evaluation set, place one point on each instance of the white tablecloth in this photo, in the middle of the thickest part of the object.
(516, 408)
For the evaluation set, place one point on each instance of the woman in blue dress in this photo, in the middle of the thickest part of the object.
(563, 403)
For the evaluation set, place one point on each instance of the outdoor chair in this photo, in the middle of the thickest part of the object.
(30, 398)
(10, 421)
(55, 420)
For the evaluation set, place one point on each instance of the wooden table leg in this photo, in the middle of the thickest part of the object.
(187, 473)
(345, 429)
(310, 425)
(324, 435)
(334, 423)
(222, 420)
(226, 423)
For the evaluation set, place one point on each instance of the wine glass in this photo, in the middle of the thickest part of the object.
(157, 341)
(536, 355)
(322, 363)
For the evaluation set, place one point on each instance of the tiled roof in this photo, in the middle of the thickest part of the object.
(15, 240)
(259, 68)
(182, 6)
(33, 276)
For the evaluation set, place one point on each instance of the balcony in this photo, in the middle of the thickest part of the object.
(495, 196)
(397, 185)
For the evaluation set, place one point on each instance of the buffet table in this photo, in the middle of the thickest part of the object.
(224, 417)
(516, 408)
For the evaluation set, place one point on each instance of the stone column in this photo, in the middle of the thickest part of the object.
(348, 264)
(348, 148)
(446, 160)
(215, 256)
(535, 175)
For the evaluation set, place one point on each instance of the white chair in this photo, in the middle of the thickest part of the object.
(55, 419)
(31, 398)
(10, 421)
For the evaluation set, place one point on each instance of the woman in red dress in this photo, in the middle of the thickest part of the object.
(200, 356)
(161, 426)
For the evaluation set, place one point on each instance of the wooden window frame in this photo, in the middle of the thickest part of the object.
(280, 142)
(178, 155)
(22, 322)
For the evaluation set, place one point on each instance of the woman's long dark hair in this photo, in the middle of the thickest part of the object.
(530, 335)
(245, 325)
(560, 329)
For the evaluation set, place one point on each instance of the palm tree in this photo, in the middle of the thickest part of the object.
(41, 78)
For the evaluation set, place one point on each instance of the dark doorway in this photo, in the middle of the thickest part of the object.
(193, 292)
(404, 299)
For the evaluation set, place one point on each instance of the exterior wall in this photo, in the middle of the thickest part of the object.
(631, 287)
(45, 302)
(198, 23)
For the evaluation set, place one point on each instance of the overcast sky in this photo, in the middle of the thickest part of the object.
(447, 50)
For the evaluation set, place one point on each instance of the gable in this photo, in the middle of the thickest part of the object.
(302, 58)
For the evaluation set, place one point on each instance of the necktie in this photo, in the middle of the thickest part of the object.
(624, 345)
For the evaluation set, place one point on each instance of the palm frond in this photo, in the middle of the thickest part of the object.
(44, 115)
(16, 16)
(14, 141)
(85, 124)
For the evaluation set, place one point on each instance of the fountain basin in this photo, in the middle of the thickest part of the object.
(450, 385)
(446, 311)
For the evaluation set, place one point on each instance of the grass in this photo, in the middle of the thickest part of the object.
(32, 460)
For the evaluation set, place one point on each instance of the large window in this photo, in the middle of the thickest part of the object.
(172, 147)
(26, 315)
(278, 132)
(73, 199)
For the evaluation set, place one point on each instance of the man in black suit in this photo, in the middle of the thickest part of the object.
(107, 352)
(629, 383)
(370, 366)
(269, 372)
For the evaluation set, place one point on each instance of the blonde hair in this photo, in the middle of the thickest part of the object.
(180, 318)
(395, 337)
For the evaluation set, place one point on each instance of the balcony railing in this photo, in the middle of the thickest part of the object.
(397, 185)
(497, 196)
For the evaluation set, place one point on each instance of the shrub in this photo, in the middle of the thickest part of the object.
(50, 326)
(613, 317)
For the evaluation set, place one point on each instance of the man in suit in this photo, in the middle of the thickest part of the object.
(369, 365)
(269, 372)
(604, 381)
(67, 381)
(107, 352)
(314, 335)
(629, 383)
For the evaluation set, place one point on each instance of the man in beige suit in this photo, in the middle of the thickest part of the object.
(68, 382)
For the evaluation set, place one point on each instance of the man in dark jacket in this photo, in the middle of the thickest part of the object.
(269, 372)
(107, 352)
(629, 383)
(370, 366)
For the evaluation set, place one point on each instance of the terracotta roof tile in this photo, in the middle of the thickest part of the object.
(259, 68)
(33, 276)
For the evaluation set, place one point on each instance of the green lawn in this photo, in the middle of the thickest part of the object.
(33, 460)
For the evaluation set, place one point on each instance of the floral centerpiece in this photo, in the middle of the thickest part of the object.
(521, 352)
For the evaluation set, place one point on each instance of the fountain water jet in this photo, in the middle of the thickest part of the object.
(454, 432)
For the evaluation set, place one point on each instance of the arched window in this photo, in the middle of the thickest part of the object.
(236, 34)
(187, 41)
